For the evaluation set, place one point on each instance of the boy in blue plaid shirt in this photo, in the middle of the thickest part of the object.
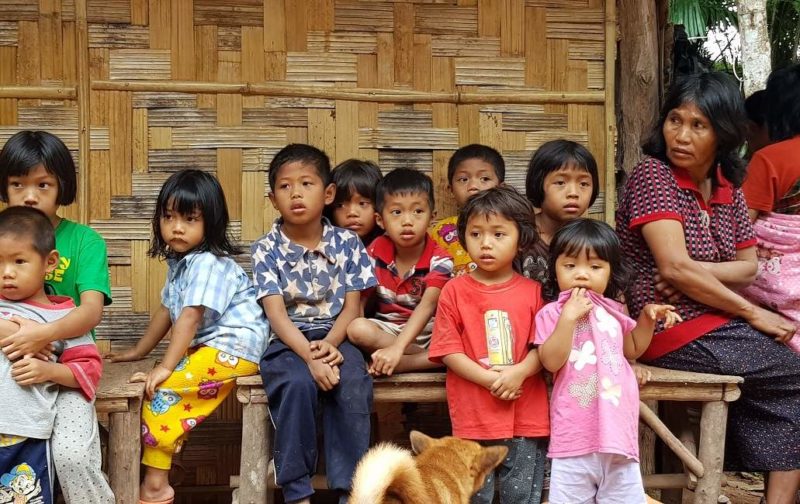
(309, 276)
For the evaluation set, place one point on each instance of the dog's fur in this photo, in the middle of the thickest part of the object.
(445, 471)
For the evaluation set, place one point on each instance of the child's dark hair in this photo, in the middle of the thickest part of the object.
(27, 149)
(583, 236)
(504, 201)
(783, 103)
(355, 176)
(188, 191)
(403, 181)
(755, 106)
(477, 151)
(31, 223)
(552, 156)
(304, 153)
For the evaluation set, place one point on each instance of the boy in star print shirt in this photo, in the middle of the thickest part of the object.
(309, 276)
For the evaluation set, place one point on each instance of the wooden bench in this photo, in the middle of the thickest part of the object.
(120, 402)
(703, 470)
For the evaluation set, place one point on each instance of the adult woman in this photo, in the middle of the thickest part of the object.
(683, 217)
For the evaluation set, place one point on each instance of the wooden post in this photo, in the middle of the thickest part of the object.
(712, 451)
(255, 455)
(124, 453)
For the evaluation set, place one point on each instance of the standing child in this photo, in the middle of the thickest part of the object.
(411, 271)
(471, 169)
(218, 331)
(309, 277)
(29, 386)
(561, 183)
(37, 170)
(483, 334)
(586, 338)
(353, 205)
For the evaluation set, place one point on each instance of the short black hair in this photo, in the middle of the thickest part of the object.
(718, 97)
(755, 106)
(783, 103)
(188, 191)
(26, 149)
(30, 223)
(355, 176)
(583, 235)
(552, 156)
(477, 151)
(404, 181)
(506, 202)
(304, 153)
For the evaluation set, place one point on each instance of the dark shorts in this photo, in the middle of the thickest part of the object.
(25, 472)
(764, 424)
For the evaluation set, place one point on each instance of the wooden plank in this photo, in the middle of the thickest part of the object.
(139, 272)
(471, 47)
(490, 72)
(491, 129)
(120, 129)
(206, 61)
(252, 205)
(139, 12)
(170, 160)
(140, 64)
(346, 131)
(229, 174)
(357, 16)
(115, 36)
(228, 12)
(28, 47)
(115, 383)
(320, 67)
(181, 117)
(422, 62)
(536, 59)
(274, 26)
(320, 15)
(182, 41)
(385, 61)
(348, 42)
(322, 130)
(99, 136)
(99, 185)
(19, 10)
(50, 39)
(275, 116)
(253, 62)
(489, 15)
(512, 28)
(386, 138)
(420, 160)
(446, 19)
(534, 139)
(295, 26)
(403, 43)
(230, 136)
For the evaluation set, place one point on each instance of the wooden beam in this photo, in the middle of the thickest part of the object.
(689, 460)
(38, 92)
(84, 110)
(611, 118)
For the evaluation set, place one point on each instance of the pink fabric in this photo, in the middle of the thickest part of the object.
(777, 285)
(594, 407)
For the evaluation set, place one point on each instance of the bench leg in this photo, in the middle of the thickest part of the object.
(713, 424)
(254, 459)
(124, 454)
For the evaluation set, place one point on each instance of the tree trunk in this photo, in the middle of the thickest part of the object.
(756, 63)
(638, 77)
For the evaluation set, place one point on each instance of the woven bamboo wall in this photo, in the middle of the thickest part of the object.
(141, 88)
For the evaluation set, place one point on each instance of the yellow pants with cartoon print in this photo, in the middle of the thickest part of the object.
(198, 385)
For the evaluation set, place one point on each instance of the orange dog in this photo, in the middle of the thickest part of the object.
(445, 471)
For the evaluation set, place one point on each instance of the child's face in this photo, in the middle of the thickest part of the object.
(472, 176)
(567, 192)
(405, 218)
(182, 232)
(492, 242)
(299, 194)
(356, 214)
(23, 269)
(585, 270)
(37, 189)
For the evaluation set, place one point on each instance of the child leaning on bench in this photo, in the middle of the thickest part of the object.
(309, 276)
(411, 271)
(30, 385)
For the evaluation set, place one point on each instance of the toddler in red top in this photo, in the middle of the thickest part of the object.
(484, 334)
(411, 271)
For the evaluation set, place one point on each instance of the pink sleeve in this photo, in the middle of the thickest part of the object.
(86, 365)
(546, 321)
(447, 328)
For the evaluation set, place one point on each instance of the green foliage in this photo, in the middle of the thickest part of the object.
(783, 19)
(699, 16)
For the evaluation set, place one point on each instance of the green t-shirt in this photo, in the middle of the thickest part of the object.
(82, 263)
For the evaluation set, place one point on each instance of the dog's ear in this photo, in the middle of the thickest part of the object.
(491, 457)
(419, 441)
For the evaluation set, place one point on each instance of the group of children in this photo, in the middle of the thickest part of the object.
(355, 279)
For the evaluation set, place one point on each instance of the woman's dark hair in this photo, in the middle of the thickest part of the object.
(783, 103)
(188, 191)
(504, 201)
(404, 181)
(552, 156)
(755, 106)
(477, 151)
(300, 152)
(27, 149)
(581, 236)
(718, 97)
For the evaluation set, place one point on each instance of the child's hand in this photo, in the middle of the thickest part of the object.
(325, 375)
(30, 371)
(508, 385)
(384, 360)
(31, 338)
(326, 352)
(642, 375)
(130, 354)
(46, 353)
(155, 377)
(666, 313)
(577, 305)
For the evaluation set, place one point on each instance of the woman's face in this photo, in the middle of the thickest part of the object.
(690, 139)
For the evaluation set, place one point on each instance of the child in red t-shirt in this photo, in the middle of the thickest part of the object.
(483, 333)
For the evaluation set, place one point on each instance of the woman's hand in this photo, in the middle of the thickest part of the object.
(665, 290)
(771, 324)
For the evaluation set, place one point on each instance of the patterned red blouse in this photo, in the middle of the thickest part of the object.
(713, 232)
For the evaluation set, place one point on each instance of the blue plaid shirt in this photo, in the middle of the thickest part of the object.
(233, 322)
(312, 282)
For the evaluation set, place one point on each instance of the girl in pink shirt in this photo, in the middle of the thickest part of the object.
(586, 338)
